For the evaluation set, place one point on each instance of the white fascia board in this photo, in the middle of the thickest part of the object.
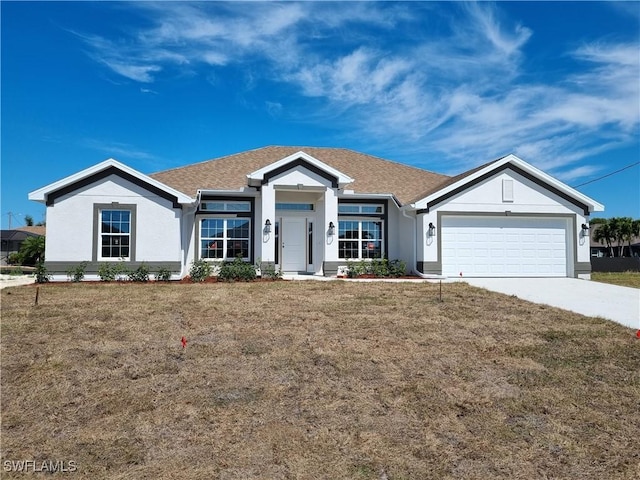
(244, 191)
(563, 187)
(546, 178)
(256, 178)
(40, 195)
(350, 194)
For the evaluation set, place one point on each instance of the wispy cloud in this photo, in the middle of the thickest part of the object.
(463, 95)
(117, 149)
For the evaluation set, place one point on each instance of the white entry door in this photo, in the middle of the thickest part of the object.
(294, 245)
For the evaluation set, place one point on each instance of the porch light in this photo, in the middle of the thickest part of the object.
(332, 228)
(585, 229)
(432, 230)
(267, 226)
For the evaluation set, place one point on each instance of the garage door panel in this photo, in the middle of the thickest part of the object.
(504, 246)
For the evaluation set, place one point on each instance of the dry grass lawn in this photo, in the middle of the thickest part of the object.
(314, 380)
(625, 279)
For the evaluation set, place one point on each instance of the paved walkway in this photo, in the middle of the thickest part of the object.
(15, 280)
(594, 299)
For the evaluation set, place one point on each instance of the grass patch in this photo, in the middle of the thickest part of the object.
(313, 380)
(624, 279)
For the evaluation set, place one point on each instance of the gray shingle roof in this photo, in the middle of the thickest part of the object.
(371, 174)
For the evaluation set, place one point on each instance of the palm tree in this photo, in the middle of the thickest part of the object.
(28, 220)
(32, 250)
(625, 232)
(604, 235)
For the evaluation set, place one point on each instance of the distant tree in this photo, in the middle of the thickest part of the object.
(28, 220)
(32, 250)
(628, 228)
(605, 236)
(598, 221)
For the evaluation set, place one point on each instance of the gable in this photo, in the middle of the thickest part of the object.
(50, 193)
(539, 180)
(97, 177)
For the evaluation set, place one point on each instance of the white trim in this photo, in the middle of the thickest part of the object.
(40, 195)
(592, 204)
(256, 178)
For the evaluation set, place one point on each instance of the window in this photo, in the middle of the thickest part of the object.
(308, 207)
(225, 238)
(115, 233)
(359, 239)
(356, 208)
(226, 206)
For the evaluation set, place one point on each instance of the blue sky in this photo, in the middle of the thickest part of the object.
(442, 86)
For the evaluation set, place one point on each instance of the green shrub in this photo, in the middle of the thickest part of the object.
(397, 268)
(163, 274)
(269, 271)
(378, 267)
(14, 258)
(41, 273)
(200, 270)
(237, 270)
(140, 274)
(110, 271)
(76, 274)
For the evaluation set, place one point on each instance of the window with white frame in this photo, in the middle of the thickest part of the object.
(115, 233)
(360, 239)
(225, 238)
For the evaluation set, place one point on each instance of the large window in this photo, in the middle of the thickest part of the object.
(115, 233)
(359, 239)
(225, 238)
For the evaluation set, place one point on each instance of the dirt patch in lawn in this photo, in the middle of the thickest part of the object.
(313, 380)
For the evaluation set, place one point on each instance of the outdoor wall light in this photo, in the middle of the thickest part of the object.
(332, 228)
(432, 230)
(585, 229)
(267, 226)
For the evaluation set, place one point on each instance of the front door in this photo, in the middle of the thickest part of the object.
(294, 245)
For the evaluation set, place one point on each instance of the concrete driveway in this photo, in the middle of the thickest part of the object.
(594, 299)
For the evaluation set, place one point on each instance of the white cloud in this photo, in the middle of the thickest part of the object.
(463, 95)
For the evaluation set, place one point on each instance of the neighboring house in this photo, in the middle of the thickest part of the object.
(601, 250)
(308, 209)
(12, 240)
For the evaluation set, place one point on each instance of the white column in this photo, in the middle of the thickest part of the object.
(330, 215)
(266, 241)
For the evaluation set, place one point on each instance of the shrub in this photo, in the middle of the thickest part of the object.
(109, 271)
(237, 270)
(41, 273)
(163, 274)
(397, 268)
(378, 267)
(140, 274)
(76, 274)
(200, 270)
(14, 258)
(269, 271)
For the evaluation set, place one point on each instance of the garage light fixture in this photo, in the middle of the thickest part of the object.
(267, 226)
(432, 230)
(332, 228)
(585, 229)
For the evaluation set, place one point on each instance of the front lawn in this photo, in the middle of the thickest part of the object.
(625, 279)
(314, 380)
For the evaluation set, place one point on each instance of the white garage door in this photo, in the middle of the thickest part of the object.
(504, 246)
